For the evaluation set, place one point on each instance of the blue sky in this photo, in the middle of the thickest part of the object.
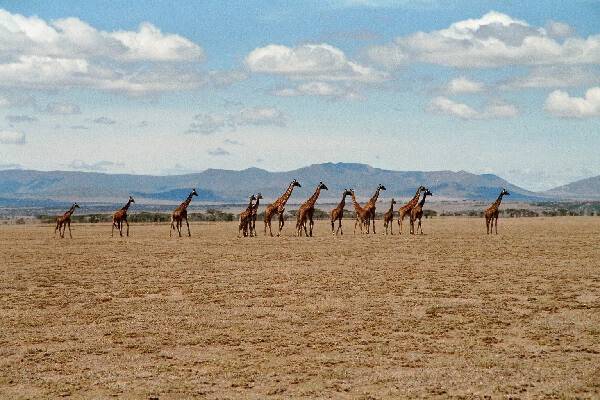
(511, 88)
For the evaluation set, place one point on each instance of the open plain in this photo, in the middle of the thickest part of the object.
(453, 313)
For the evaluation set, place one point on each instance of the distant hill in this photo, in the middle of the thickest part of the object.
(585, 189)
(217, 185)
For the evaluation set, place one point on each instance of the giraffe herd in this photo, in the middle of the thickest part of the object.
(365, 215)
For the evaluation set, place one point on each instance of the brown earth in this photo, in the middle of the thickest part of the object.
(453, 313)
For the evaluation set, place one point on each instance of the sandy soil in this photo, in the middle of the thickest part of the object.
(453, 313)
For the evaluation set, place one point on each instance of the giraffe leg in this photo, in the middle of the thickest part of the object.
(392, 226)
(281, 223)
(188, 226)
(420, 227)
(496, 226)
(172, 228)
(373, 222)
(120, 226)
(113, 229)
(55, 229)
(179, 227)
(340, 227)
(127, 223)
(333, 227)
(70, 235)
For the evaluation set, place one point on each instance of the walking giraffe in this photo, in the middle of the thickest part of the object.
(406, 209)
(246, 219)
(278, 207)
(417, 213)
(180, 213)
(255, 214)
(338, 214)
(306, 211)
(370, 206)
(121, 216)
(64, 221)
(362, 215)
(492, 212)
(388, 218)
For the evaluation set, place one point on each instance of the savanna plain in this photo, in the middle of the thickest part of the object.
(450, 314)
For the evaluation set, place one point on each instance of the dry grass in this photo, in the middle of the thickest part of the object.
(454, 313)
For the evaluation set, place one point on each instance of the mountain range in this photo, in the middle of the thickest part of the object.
(228, 186)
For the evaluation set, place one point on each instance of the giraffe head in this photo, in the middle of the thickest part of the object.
(422, 189)
(347, 192)
(258, 196)
(131, 200)
(504, 192)
(427, 193)
(380, 187)
(393, 201)
(296, 183)
(194, 193)
(252, 198)
(322, 186)
(75, 205)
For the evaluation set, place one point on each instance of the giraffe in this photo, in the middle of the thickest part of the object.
(246, 218)
(255, 214)
(278, 207)
(120, 216)
(362, 215)
(388, 218)
(180, 213)
(307, 210)
(64, 221)
(417, 213)
(338, 213)
(405, 209)
(371, 205)
(492, 212)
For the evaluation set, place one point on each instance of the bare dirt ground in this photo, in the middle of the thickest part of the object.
(453, 313)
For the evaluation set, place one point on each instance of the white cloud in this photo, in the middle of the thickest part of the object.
(218, 152)
(559, 29)
(561, 104)
(74, 38)
(104, 121)
(100, 166)
(209, 123)
(464, 85)
(446, 106)
(260, 116)
(16, 119)
(321, 62)
(493, 40)
(62, 108)
(12, 137)
(320, 89)
(69, 53)
(555, 77)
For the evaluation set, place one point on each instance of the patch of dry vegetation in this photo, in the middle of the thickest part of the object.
(453, 313)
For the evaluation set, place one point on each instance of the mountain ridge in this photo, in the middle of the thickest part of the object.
(223, 185)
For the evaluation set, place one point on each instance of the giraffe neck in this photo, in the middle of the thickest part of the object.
(498, 201)
(255, 207)
(374, 197)
(313, 199)
(250, 205)
(187, 201)
(285, 196)
(391, 208)
(357, 206)
(343, 202)
(126, 207)
(423, 200)
(70, 212)
(415, 198)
